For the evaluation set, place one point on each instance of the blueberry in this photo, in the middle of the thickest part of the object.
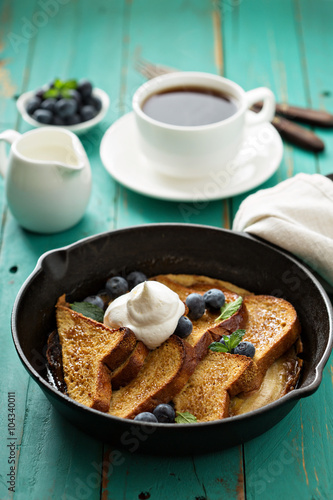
(116, 286)
(214, 299)
(40, 92)
(164, 413)
(196, 305)
(88, 113)
(49, 104)
(135, 278)
(65, 107)
(73, 119)
(43, 116)
(58, 121)
(184, 327)
(95, 102)
(74, 94)
(103, 294)
(145, 416)
(245, 349)
(95, 300)
(85, 88)
(33, 104)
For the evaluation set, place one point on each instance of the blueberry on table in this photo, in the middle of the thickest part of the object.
(95, 300)
(164, 413)
(43, 116)
(49, 104)
(135, 278)
(33, 104)
(184, 327)
(85, 88)
(196, 305)
(65, 107)
(214, 298)
(116, 286)
(145, 416)
(87, 113)
(245, 348)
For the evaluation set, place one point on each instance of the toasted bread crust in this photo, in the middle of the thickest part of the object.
(89, 350)
(174, 362)
(199, 283)
(131, 366)
(272, 326)
(218, 376)
(103, 391)
(205, 330)
(183, 370)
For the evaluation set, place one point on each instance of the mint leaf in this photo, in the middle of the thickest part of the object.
(51, 93)
(231, 341)
(89, 310)
(65, 93)
(60, 88)
(218, 347)
(70, 84)
(58, 84)
(235, 338)
(229, 309)
(185, 418)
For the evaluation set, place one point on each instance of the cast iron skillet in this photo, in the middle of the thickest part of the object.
(82, 269)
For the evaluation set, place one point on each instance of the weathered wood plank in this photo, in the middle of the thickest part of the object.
(56, 460)
(280, 45)
(185, 37)
(217, 475)
(182, 36)
(263, 48)
(279, 39)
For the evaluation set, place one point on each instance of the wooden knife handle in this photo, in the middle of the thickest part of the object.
(297, 135)
(294, 133)
(306, 115)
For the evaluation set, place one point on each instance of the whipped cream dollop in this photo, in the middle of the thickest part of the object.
(151, 310)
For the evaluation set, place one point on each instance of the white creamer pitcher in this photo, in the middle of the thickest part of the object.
(48, 178)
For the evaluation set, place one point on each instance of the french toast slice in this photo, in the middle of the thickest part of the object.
(217, 377)
(164, 373)
(129, 369)
(205, 329)
(272, 326)
(90, 351)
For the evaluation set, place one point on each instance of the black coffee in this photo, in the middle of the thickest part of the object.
(189, 106)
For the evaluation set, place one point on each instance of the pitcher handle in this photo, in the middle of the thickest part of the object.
(8, 136)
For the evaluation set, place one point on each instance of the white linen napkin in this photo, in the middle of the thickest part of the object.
(296, 215)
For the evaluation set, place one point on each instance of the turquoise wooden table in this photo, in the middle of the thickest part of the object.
(284, 45)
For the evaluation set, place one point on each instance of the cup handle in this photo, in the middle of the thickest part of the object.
(267, 112)
(8, 136)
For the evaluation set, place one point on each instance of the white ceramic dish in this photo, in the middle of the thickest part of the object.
(258, 158)
(80, 128)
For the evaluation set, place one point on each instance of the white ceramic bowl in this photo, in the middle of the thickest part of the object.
(79, 128)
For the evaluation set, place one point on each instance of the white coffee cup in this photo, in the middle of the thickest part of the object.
(193, 151)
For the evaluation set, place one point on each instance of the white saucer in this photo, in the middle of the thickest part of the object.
(259, 157)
